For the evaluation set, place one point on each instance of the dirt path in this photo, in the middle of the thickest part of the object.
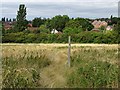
(53, 75)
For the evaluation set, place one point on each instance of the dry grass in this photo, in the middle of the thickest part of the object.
(54, 75)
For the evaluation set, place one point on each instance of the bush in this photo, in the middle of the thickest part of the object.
(82, 37)
(43, 29)
(70, 30)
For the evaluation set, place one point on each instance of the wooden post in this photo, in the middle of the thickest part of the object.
(69, 50)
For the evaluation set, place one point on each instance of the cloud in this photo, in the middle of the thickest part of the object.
(73, 9)
(60, 0)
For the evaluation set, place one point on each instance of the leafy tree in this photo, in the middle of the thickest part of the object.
(114, 20)
(48, 24)
(80, 22)
(43, 29)
(21, 23)
(69, 30)
(58, 22)
(86, 25)
(117, 27)
(117, 31)
(73, 24)
(37, 22)
(3, 30)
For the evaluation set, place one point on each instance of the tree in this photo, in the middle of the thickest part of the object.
(7, 20)
(58, 22)
(115, 20)
(69, 30)
(80, 22)
(73, 24)
(10, 20)
(43, 29)
(37, 22)
(86, 25)
(47, 23)
(111, 17)
(117, 31)
(14, 19)
(3, 19)
(21, 23)
(3, 30)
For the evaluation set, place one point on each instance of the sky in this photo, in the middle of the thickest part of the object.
(50, 8)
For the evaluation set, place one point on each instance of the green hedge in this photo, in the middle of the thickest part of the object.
(83, 37)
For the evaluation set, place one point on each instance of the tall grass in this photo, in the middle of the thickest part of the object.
(46, 66)
(94, 69)
(23, 70)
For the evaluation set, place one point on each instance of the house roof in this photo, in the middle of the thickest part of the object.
(98, 24)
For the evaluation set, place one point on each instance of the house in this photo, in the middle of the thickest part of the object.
(7, 25)
(99, 24)
(96, 30)
(103, 23)
(109, 28)
(32, 28)
(54, 31)
(29, 25)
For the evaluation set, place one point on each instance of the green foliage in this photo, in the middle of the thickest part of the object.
(69, 30)
(91, 72)
(39, 66)
(86, 25)
(102, 28)
(23, 71)
(21, 23)
(58, 22)
(80, 22)
(73, 24)
(43, 29)
(114, 20)
(26, 31)
(82, 37)
(116, 31)
(2, 30)
(37, 22)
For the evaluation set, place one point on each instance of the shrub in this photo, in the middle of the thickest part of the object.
(70, 30)
(82, 37)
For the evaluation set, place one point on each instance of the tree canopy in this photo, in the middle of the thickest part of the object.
(58, 22)
(38, 21)
(21, 23)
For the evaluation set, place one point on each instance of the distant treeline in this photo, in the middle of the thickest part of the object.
(83, 37)
(80, 30)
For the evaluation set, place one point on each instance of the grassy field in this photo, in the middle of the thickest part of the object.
(45, 65)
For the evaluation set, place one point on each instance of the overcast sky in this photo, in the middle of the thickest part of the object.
(50, 8)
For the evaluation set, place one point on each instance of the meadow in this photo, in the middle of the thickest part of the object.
(45, 66)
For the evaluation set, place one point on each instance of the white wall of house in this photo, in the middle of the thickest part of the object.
(54, 31)
(109, 28)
